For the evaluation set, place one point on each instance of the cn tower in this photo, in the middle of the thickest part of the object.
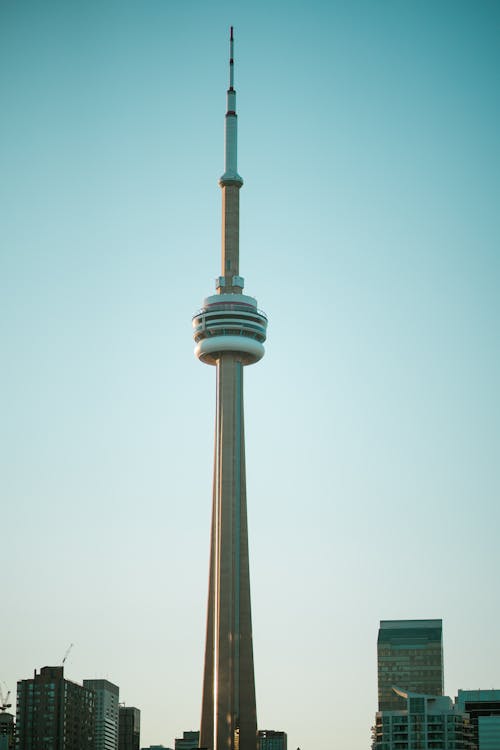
(229, 332)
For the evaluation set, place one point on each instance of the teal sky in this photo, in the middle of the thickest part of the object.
(370, 234)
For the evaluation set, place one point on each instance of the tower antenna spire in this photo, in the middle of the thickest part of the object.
(231, 60)
(230, 182)
(231, 176)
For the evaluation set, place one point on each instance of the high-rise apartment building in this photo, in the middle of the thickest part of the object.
(106, 713)
(269, 739)
(129, 728)
(229, 332)
(483, 707)
(409, 657)
(53, 713)
(426, 722)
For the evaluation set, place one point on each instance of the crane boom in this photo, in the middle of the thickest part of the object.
(67, 653)
(4, 701)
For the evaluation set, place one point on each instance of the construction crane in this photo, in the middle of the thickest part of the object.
(4, 700)
(67, 653)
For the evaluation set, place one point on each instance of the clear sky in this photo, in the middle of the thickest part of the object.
(370, 234)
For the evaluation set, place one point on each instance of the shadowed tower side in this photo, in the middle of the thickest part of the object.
(229, 332)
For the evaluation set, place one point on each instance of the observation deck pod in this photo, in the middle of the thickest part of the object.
(229, 323)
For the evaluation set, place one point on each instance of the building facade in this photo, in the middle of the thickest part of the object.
(7, 727)
(483, 707)
(426, 723)
(106, 713)
(190, 740)
(229, 332)
(409, 657)
(269, 739)
(129, 728)
(53, 713)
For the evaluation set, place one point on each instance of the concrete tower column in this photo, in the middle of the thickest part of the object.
(230, 235)
(229, 332)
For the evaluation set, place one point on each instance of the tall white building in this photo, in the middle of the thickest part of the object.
(106, 713)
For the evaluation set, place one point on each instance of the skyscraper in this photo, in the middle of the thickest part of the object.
(229, 332)
(54, 713)
(409, 657)
(106, 713)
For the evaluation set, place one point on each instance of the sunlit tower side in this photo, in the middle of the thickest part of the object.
(229, 332)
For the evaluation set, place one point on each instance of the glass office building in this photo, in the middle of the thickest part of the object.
(106, 713)
(409, 657)
(270, 739)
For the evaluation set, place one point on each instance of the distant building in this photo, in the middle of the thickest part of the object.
(269, 739)
(106, 713)
(189, 741)
(53, 713)
(410, 657)
(129, 724)
(7, 726)
(426, 722)
(483, 707)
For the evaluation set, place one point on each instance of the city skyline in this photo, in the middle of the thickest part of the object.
(369, 146)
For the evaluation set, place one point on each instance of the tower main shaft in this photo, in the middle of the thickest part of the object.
(229, 332)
